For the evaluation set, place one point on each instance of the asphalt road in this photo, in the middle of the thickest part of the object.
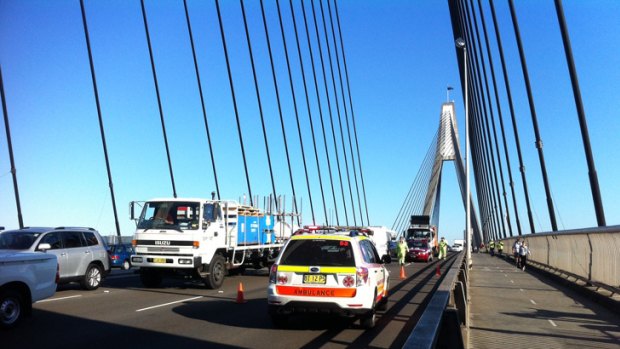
(183, 314)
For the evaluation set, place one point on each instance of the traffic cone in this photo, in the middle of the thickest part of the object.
(438, 272)
(402, 272)
(240, 299)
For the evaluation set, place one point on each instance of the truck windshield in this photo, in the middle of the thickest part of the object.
(418, 234)
(170, 215)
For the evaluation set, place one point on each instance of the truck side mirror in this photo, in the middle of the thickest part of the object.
(132, 215)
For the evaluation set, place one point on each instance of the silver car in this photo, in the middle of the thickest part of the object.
(81, 252)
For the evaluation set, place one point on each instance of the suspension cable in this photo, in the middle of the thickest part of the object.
(331, 119)
(337, 103)
(260, 104)
(346, 112)
(232, 92)
(318, 98)
(101, 129)
(202, 101)
(161, 111)
(346, 73)
(290, 78)
(277, 90)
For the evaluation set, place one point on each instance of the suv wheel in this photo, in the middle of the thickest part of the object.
(92, 278)
(217, 271)
(11, 308)
(368, 320)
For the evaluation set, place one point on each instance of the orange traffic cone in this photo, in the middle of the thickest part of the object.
(402, 272)
(240, 299)
(438, 273)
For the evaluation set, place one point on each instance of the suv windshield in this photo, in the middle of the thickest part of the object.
(17, 240)
(169, 215)
(318, 252)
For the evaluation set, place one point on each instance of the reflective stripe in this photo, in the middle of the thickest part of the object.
(316, 291)
(328, 270)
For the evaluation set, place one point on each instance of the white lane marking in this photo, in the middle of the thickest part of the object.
(521, 290)
(163, 305)
(552, 323)
(532, 301)
(58, 299)
(512, 282)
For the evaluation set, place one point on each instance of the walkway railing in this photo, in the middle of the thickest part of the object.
(443, 322)
(591, 255)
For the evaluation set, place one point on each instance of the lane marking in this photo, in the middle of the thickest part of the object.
(521, 290)
(552, 323)
(163, 305)
(58, 299)
(512, 282)
(531, 300)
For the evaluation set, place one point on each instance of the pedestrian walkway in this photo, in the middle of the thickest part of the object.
(511, 308)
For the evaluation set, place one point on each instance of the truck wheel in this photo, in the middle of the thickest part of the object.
(11, 308)
(217, 271)
(92, 278)
(150, 278)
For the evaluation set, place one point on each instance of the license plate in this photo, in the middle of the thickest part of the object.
(314, 279)
(159, 260)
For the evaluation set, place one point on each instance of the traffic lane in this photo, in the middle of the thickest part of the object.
(215, 320)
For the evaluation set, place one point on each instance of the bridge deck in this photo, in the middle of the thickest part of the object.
(511, 308)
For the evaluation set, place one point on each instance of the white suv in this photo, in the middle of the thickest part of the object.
(328, 272)
(81, 252)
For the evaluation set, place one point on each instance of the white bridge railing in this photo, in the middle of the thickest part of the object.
(591, 254)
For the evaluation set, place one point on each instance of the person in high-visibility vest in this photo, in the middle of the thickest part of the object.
(500, 247)
(443, 249)
(492, 247)
(401, 250)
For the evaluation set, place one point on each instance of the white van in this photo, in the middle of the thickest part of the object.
(381, 237)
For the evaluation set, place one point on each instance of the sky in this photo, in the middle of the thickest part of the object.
(400, 59)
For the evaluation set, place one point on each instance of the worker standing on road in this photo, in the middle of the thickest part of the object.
(492, 247)
(443, 248)
(500, 247)
(401, 251)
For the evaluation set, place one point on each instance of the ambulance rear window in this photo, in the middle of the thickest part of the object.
(330, 253)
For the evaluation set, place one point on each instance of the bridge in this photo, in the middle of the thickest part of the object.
(256, 100)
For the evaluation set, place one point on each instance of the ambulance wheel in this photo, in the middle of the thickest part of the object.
(368, 320)
(217, 271)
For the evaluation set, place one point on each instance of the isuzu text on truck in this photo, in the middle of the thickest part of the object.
(201, 238)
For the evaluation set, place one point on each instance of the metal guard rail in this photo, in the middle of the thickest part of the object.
(445, 318)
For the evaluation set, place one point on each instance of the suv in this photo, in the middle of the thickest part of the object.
(419, 250)
(328, 271)
(81, 252)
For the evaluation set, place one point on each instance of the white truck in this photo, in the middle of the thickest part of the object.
(201, 238)
(25, 277)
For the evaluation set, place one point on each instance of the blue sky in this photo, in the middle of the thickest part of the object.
(400, 57)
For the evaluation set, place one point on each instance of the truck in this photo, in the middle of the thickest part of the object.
(421, 229)
(25, 277)
(201, 239)
(458, 245)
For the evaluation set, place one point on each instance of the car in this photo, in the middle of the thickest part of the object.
(457, 247)
(81, 252)
(120, 256)
(335, 272)
(419, 250)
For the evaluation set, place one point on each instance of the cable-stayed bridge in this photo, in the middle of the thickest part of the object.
(284, 98)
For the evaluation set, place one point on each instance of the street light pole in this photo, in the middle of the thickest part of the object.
(460, 43)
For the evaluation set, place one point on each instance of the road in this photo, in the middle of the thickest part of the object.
(183, 314)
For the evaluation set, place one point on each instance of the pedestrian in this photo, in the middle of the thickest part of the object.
(443, 249)
(492, 247)
(516, 249)
(524, 251)
(500, 247)
(401, 251)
